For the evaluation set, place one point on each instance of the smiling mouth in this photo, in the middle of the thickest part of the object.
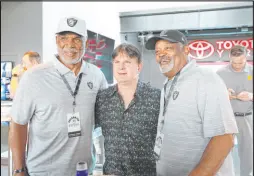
(70, 54)
(165, 62)
(122, 74)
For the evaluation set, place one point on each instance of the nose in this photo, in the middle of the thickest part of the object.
(122, 66)
(70, 43)
(162, 54)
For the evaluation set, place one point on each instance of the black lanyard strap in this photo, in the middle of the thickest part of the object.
(172, 87)
(69, 87)
(166, 100)
(73, 94)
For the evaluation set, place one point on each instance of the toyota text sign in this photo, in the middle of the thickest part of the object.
(218, 49)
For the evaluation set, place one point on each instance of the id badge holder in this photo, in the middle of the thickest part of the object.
(158, 144)
(73, 122)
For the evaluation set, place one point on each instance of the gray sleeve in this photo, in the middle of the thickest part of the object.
(215, 108)
(220, 73)
(23, 106)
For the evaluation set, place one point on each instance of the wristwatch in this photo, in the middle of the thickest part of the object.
(16, 171)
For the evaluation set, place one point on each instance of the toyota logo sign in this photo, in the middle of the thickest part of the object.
(201, 49)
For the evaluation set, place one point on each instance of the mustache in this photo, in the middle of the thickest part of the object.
(164, 58)
(72, 50)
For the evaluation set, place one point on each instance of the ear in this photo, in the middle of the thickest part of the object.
(140, 66)
(86, 43)
(34, 62)
(56, 39)
(186, 49)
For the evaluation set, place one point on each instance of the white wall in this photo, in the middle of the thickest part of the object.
(21, 29)
(101, 17)
(137, 6)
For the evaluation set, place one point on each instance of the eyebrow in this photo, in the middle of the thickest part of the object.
(237, 62)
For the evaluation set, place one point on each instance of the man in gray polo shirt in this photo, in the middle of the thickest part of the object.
(238, 78)
(57, 100)
(196, 122)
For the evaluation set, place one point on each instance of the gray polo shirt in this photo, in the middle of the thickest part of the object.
(43, 101)
(238, 81)
(201, 111)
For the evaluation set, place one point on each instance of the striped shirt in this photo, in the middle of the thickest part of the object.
(201, 111)
(43, 101)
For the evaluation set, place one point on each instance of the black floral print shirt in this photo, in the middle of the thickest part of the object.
(129, 133)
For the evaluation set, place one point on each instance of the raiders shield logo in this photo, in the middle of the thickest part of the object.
(72, 22)
(90, 85)
(175, 95)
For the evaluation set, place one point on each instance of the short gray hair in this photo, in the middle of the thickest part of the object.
(238, 50)
(128, 49)
(33, 56)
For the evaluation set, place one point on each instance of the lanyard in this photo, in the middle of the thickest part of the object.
(73, 94)
(166, 100)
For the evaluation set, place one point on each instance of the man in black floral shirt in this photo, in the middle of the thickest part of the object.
(128, 114)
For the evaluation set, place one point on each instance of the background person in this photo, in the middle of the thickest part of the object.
(238, 77)
(29, 60)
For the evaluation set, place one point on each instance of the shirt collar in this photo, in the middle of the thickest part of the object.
(64, 70)
(190, 64)
(138, 92)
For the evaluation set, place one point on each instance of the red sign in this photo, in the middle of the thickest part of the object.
(202, 49)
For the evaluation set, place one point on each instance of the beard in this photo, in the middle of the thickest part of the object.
(167, 68)
(72, 61)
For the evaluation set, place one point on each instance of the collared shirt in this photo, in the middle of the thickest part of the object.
(238, 81)
(201, 111)
(245, 69)
(167, 83)
(43, 100)
(129, 133)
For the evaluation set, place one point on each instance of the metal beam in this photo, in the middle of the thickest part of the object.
(210, 7)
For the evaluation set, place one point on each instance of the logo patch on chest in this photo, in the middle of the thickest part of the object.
(90, 85)
(175, 95)
(249, 77)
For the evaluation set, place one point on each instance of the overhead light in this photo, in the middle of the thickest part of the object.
(244, 29)
(149, 36)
